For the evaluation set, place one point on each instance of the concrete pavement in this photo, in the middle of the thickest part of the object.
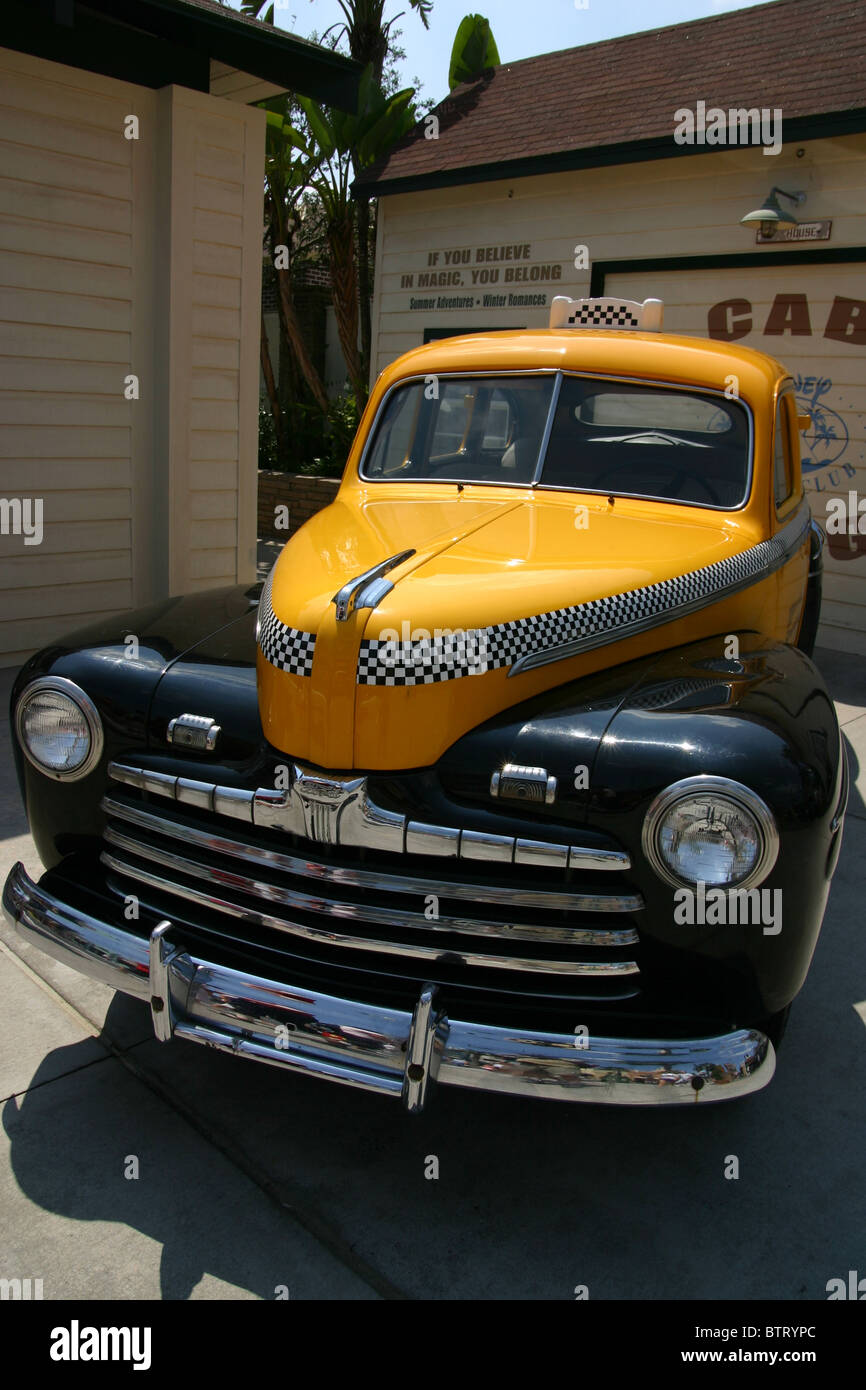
(250, 1181)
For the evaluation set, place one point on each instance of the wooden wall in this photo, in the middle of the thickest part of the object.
(124, 257)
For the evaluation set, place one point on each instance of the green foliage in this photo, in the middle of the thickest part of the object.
(253, 10)
(474, 51)
(319, 444)
(343, 418)
(335, 135)
(313, 152)
(268, 452)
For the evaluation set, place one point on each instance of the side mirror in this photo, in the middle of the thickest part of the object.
(804, 423)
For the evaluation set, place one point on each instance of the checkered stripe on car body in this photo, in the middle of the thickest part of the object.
(582, 627)
(287, 648)
(607, 313)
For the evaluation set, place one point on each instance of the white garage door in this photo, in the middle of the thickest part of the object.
(813, 318)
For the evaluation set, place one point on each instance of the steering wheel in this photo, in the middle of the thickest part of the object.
(677, 476)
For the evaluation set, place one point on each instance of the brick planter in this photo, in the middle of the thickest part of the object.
(302, 495)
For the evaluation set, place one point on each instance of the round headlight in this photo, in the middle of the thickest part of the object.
(59, 728)
(710, 830)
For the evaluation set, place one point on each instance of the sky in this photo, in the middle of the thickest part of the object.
(521, 28)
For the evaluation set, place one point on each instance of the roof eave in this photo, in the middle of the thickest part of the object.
(194, 35)
(816, 127)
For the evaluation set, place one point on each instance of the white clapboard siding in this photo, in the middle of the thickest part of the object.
(66, 322)
(26, 635)
(213, 422)
(89, 244)
(206, 505)
(65, 474)
(18, 572)
(122, 258)
(674, 207)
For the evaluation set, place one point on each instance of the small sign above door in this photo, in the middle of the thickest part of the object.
(804, 231)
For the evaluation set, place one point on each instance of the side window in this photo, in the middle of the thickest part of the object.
(782, 484)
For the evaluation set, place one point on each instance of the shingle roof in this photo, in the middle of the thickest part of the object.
(615, 100)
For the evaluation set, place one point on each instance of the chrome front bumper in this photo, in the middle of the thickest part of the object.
(390, 1051)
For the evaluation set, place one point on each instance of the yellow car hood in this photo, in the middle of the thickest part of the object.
(499, 580)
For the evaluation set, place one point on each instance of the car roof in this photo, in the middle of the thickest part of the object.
(655, 356)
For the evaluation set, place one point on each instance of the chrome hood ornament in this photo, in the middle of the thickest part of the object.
(328, 810)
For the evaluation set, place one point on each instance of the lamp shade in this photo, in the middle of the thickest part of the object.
(771, 214)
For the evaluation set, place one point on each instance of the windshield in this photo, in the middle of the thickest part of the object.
(608, 436)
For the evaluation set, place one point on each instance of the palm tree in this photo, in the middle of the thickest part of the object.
(474, 51)
(345, 143)
(368, 36)
(288, 170)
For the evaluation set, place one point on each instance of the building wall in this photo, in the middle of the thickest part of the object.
(123, 257)
(291, 498)
(685, 207)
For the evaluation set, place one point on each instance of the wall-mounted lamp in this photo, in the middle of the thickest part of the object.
(771, 215)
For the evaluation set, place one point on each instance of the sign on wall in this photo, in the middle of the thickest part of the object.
(506, 276)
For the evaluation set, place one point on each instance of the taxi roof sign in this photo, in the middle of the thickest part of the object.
(607, 313)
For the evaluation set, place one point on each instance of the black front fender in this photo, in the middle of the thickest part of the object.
(766, 720)
(119, 663)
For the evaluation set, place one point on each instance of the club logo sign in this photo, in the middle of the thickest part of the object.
(826, 441)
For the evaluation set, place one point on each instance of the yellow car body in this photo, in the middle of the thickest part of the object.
(488, 555)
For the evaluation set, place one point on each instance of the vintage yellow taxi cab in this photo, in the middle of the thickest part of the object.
(517, 773)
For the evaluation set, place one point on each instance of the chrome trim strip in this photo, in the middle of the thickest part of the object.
(537, 639)
(485, 847)
(548, 429)
(535, 852)
(555, 898)
(360, 1045)
(192, 793)
(328, 937)
(432, 839)
(235, 802)
(371, 912)
(363, 591)
(339, 810)
(816, 565)
(778, 551)
(159, 783)
(597, 859)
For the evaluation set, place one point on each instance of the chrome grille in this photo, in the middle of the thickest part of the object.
(341, 810)
(322, 899)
